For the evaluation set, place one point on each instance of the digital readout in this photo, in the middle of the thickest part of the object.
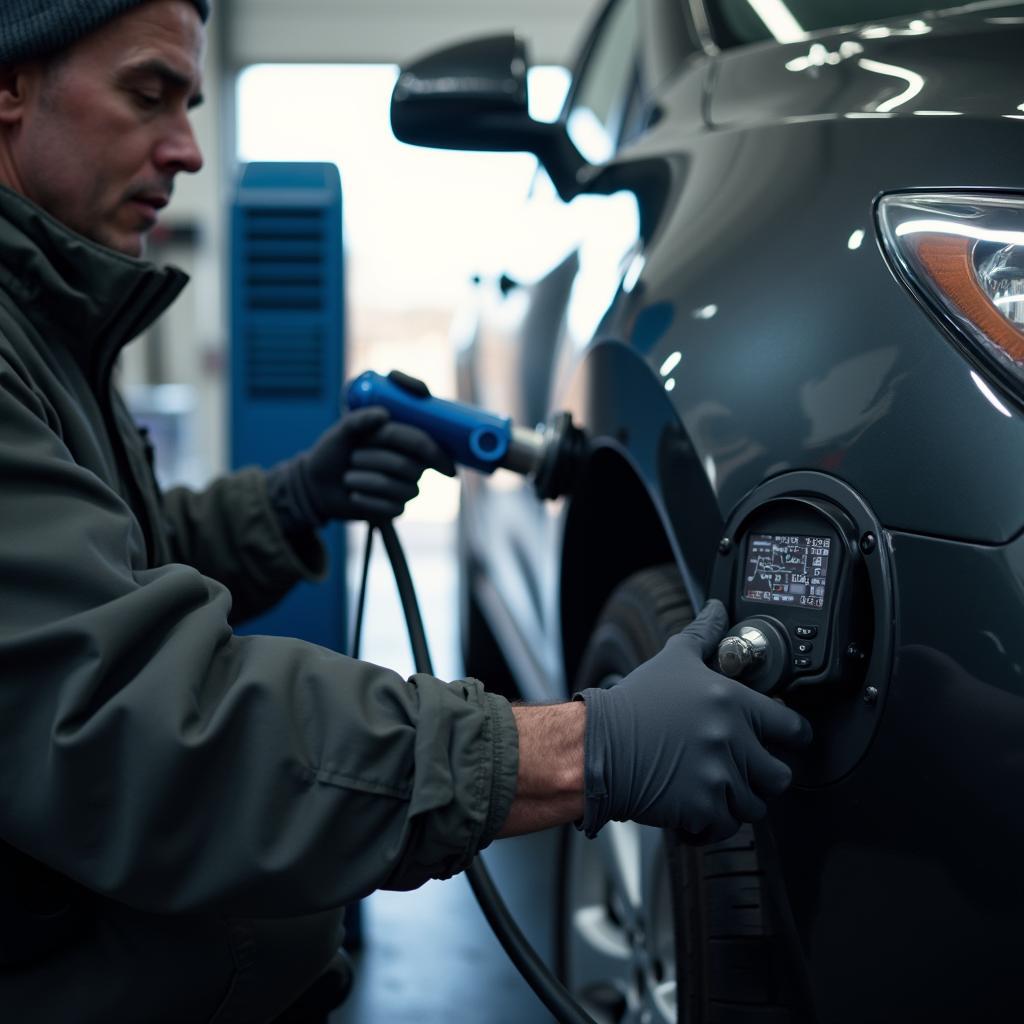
(787, 570)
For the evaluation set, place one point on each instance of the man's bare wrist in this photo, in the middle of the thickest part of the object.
(550, 749)
(549, 787)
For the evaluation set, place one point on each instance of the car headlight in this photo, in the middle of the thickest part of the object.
(964, 256)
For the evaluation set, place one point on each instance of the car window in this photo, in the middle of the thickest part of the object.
(607, 83)
(749, 21)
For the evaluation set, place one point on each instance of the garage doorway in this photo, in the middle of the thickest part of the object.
(418, 224)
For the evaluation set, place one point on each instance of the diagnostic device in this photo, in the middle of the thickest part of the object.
(804, 573)
(798, 600)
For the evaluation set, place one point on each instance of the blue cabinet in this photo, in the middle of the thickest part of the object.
(288, 351)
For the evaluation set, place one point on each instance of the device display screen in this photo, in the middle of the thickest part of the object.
(787, 570)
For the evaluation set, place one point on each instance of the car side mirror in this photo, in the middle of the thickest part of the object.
(474, 96)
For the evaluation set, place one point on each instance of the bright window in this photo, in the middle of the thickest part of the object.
(418, 222)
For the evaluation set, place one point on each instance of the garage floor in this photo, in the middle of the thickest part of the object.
(428, 956)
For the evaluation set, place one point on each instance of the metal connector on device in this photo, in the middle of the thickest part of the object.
(525, 451)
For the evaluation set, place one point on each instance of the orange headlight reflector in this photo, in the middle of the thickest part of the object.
(964, 255)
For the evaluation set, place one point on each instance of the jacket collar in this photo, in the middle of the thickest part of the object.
(75, 292)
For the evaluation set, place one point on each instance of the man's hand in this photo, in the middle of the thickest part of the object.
(364, 467)
(679, 746)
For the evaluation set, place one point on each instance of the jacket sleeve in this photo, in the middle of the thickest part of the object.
(152, 756)
(229, 532)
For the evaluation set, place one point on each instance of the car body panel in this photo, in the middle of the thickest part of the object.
(871, 393)
(849, 395)
(720, 312)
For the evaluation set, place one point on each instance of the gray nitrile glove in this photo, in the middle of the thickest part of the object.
(364, 467)
(679, 746)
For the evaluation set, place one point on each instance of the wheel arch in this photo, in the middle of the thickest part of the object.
(627, 531)
(642, 498)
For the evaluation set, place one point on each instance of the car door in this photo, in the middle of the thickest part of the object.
(509, 354)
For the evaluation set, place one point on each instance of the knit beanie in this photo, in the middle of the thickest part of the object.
(36, 28)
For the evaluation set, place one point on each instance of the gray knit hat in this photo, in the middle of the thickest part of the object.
(35, 28)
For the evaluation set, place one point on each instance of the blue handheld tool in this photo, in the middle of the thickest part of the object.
(471, 437)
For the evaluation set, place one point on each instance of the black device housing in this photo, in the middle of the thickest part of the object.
(840, 682)
(828, 645)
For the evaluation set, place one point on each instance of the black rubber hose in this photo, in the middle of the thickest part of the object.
(548, 989)
(357, 638)
(407, 595)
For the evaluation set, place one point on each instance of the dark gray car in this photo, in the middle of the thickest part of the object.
(774, 268)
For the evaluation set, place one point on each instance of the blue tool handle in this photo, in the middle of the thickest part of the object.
(471, 437)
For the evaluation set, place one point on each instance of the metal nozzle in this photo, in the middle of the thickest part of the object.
(525, 451)
(549, 455)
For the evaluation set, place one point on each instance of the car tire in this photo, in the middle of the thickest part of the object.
(650, 931)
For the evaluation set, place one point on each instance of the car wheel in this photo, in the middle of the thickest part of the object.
(650, 931)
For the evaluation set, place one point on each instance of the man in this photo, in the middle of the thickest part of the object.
(183, 811)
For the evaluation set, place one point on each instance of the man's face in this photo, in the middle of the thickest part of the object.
(106, 129)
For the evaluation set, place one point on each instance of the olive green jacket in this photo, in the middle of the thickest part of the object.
(188, 806)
